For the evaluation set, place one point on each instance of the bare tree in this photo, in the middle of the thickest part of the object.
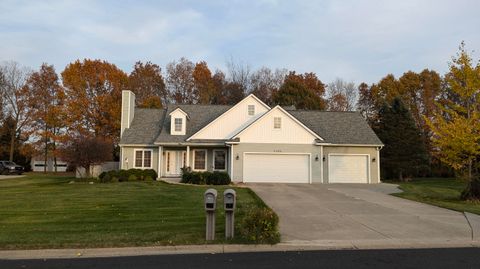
(180, 81)
(264, 83)
(342, 95)
(239, 74)
(15, 98)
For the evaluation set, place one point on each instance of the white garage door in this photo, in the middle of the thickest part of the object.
(348, 169)
(278, 168)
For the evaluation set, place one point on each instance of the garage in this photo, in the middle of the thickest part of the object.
(343, 168)
(276, 167)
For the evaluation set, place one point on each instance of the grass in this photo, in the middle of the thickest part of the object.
(48, 211)
(442, 192)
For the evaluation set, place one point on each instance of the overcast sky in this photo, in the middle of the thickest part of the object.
(353, 40)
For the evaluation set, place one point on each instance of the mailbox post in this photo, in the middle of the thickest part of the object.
(210, 206)
(229, 203)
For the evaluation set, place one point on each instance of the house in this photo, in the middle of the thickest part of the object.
(250, 141)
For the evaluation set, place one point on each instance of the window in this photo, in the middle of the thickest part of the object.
(251, 110)
(143, 159)
(277, 122)
(199, 160)
(219, 157)
(178, 124)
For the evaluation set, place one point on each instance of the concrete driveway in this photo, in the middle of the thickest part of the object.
(10, 176)
(359, 214)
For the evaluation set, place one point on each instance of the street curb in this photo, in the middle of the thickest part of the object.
(219, 249)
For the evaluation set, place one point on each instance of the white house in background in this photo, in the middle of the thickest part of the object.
(38, 164)
(251, 141)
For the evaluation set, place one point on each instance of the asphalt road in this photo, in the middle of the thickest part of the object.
(405, 258)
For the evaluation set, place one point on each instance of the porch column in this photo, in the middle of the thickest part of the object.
(187, 161)
(160, 157)
(321, 164)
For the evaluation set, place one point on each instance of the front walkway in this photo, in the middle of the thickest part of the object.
(357, 214)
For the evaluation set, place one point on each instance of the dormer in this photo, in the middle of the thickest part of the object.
(178, 122)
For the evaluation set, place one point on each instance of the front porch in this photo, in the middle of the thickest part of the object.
(171, 159)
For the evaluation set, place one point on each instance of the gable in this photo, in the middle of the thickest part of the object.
(233, 120)
(263, 130)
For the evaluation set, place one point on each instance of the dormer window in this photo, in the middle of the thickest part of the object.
(178, 124)
(251, 110)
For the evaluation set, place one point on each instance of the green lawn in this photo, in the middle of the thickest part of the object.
(45, 211)
(443, 192)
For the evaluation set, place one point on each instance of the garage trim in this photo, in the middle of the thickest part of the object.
(369, 180)
(281, 153)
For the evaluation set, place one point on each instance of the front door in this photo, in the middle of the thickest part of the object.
(175, 160)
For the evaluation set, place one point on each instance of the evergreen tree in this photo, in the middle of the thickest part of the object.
(404, 153)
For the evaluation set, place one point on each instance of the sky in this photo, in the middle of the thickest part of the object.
(359, 41)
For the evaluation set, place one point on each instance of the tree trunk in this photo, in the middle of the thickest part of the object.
(12, 141)
(45, 156)
(470, 170)
(400, 175)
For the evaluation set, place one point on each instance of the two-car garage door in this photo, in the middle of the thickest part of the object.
(276, 167)
(295, 168)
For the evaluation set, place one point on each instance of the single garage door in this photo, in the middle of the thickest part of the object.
(348, 168)
(276, 168)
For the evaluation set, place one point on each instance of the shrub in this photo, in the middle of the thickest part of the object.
(472, 192)
(127, 175)
(260, 226)
(208, 178)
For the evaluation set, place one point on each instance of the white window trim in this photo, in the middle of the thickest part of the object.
(175, 125)
(194, 153)
(220, 150)
(143, 158)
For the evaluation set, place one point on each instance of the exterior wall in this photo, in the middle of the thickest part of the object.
(128, 109)
(240, 149)
(263, 131)
(234, 120)
(129, 152)
(372, 151)
(96, 170)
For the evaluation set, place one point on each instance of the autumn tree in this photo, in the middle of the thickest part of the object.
(265, 83)
(146, 81)
(204, 86)
(239, 76)
(93, 98)
(46, 101)
(366, 103)
(294, 93)
(342, 95)
(456, 126)
(404, 153)
(180, 81)
(15, 97)
(311, 83)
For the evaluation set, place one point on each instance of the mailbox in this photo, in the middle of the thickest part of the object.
(210, 199)
(229, 199)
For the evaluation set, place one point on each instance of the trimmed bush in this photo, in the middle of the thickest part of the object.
(260, 226)
(128, 175)
(205, 178)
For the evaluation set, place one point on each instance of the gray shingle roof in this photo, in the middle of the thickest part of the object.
(338, 127)
(199, 116)
(145, 127)
(151, 126)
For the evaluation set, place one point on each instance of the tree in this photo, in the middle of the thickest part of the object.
(342, 95)
(366, 103)
(404, 152)
(93, 89)
(265, 83)
(15, 98)
(311, 83)
(239, 76)
(147, 83)
(293, 93)
(204, 85)
(180, 82)
(46, 101)
(85, 151)
(219, 84)
(456, 126)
